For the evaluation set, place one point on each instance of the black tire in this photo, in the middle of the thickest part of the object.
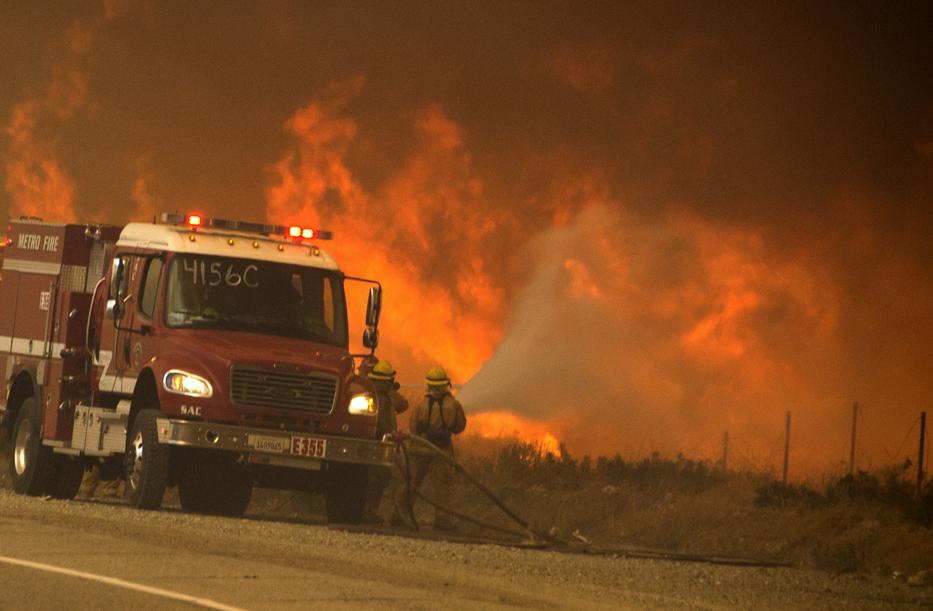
(31, 463)
(145, 462)
(213, 483)
(345, 494)
(66, 482)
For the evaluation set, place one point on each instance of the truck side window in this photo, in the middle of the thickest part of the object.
(328, 304)
(150, 286)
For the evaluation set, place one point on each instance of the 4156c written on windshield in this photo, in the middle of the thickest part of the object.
(215, 273)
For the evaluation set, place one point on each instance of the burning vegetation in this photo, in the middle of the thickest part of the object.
(614, 241)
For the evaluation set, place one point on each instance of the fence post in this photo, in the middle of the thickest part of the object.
(725, 450)
(786, 446)
(923, 432)
(852, 445)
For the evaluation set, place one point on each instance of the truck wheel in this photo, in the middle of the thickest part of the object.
(345, 495)
(145, 462)
(213, 483)
(31, 465)
(67, 479)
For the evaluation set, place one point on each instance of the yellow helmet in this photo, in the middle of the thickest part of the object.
(436, 376)
(382, 371)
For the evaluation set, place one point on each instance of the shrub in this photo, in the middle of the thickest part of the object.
(778, 494)
(527, 464)
(890, 487)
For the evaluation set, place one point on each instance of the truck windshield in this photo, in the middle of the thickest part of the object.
(256, 297)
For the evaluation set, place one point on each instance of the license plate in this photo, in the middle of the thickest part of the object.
(309, 446)
(267, 443)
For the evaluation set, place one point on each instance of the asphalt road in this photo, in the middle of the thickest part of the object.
(115, 557)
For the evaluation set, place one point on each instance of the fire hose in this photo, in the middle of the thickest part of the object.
(529, 534)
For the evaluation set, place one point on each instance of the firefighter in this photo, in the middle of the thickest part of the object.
(437, 418)
(390, 403)
(367, 364)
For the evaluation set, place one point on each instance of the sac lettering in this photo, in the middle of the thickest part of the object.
(190, 410)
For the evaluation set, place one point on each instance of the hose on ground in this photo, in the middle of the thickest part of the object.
(401, 437)
(403, 440)
(471, 520)
(406, 473)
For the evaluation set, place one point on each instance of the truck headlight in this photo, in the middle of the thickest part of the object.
(188, 384)
(363, 404)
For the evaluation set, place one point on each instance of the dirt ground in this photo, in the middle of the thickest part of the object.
(218, 557)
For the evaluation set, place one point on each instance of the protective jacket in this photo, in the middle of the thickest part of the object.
(391, 402)
(437, 418)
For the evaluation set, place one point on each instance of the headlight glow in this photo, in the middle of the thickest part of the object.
(363, 404)
(188, 384)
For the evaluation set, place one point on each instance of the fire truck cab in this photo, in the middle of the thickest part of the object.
(201, 353)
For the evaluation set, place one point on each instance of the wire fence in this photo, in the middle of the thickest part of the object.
(872, 450)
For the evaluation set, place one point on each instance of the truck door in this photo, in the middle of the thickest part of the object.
(115, 339)
(126, 327)
(139, 339)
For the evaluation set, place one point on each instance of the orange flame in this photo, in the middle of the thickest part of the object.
(505, 425)
(35, 180)
(663, 330)
(409, 232)
(38, 183)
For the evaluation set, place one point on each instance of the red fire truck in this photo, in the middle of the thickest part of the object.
(202, 353)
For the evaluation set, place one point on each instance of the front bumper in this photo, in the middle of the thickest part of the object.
(272, 447)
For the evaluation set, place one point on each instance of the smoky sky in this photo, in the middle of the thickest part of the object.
(741, 110)
(806, 128)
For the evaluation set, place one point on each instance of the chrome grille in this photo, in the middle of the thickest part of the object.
(255, 387)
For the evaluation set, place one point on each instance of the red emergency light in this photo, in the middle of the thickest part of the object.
(195, 221)
(306, 233)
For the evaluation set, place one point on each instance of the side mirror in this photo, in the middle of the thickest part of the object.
(114, 309)
(373, 307)
(115, 302)
(116, 277)
(371, 338)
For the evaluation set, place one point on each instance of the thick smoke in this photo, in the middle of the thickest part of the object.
(638, 335)
(652, 222)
